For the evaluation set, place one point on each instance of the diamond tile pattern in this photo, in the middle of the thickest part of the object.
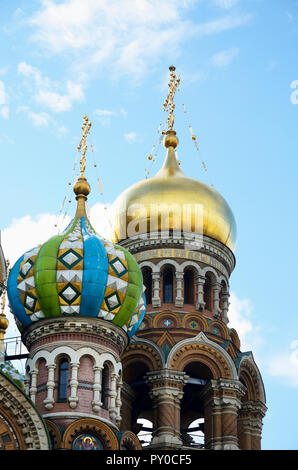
(26, 284)
(77, 273)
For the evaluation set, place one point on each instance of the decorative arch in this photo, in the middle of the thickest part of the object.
(50, 357)
(128, 441)
(250, 376)
(235, 338)
(209, 269)
(54, 432)
(196, 318)
(73, 355)
(23, 418)
(145, 351)
(160, 320)
(164, 262)
(148, 264)
(91, 426)
(219, 328)
(201, 349)
(189, 263)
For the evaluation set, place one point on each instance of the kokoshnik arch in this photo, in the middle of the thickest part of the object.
(97, 364)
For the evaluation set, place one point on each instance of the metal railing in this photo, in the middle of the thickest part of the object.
(15, 348)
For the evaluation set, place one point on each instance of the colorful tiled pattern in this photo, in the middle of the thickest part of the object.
(135, 321)
(77, 273)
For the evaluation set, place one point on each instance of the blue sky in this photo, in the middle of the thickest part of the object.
(237, 60)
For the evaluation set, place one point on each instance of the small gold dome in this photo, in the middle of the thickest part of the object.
(3, 323)
(81, 187)
(185, 203)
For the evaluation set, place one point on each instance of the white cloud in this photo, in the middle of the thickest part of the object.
(239, 317)
(105, 112)
(130, 137)
(60, 102)
(126, 36)
(100, 219)
(224, 23)
(28, 71)
(4, 109)
(46, 93)
(4, 112)
(2, 93)
(242, 319)
(38, 119)
(285, 364)
(224, 58)
(3, 70)
(62, 130)
(27, 232)
(226, 4)
(104, 115)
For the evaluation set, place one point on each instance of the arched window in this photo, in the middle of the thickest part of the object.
(147, 280)
(208, 298)
(63, 380)
(105, 386)
(168, 286)
(188, 286)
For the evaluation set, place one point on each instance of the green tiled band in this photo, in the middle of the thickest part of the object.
(133, 292)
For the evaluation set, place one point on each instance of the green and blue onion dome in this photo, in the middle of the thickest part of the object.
(77, 273)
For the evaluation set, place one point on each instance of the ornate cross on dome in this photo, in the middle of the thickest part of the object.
(82, 147)
(169, 101)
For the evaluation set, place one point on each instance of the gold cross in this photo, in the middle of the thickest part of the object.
(82, 147)
(169, 101)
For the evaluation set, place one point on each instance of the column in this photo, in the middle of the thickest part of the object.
(244, 429)
(49, 400)
(166, 393)
(250, 425)
(156, 290)
(225, 306)
(73, 399)
(259, 411)
(179, 300)
(33, 388)
(27, 384)
(222, 400)
(96, 402)
(113, 395)
(200, 281)
(216, 290)
(118, 402)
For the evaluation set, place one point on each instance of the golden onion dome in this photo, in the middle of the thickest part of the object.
(172, 201)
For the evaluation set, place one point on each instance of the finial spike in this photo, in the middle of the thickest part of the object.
(169, 101)
(82, 147)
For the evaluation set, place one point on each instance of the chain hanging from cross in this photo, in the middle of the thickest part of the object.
(169, 101)
(82, 147)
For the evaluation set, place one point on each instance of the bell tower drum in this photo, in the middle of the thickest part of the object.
(184, 370)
